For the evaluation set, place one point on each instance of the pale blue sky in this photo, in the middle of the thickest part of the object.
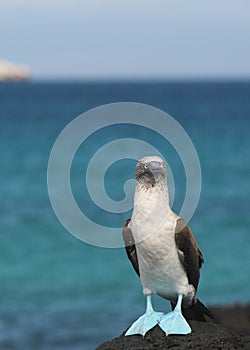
(128, 38)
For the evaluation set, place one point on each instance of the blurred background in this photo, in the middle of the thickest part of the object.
(192, 60)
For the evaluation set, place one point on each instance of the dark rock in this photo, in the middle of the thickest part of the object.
(235, 317)
(204, 336)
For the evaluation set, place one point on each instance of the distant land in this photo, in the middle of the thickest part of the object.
(13, 72)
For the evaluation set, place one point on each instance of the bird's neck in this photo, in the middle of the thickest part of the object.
(150, 202)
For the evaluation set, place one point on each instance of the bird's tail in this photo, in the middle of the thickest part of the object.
(197, 311)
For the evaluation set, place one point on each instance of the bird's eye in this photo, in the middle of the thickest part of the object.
(145, 167)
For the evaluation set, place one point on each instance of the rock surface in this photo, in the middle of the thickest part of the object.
(233, 333)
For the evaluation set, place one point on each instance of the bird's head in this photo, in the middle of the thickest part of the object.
(150, 170)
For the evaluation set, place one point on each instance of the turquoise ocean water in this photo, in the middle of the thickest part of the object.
(57, 292)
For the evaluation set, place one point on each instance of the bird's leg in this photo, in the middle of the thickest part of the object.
(146, 321)
(174, 322)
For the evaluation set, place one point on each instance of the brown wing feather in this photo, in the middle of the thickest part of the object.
(130, 246)
(189, 252)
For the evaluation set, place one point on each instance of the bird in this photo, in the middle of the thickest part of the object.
(163, 252)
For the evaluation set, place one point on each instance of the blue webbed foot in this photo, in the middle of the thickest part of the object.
(174, 322)
(146, 322)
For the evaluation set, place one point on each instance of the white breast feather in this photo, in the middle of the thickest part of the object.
(153, 227)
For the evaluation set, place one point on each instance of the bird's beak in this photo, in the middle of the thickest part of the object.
(154, 171)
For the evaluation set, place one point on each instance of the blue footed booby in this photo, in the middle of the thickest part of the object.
(163, 252)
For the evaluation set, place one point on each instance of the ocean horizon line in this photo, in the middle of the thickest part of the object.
(130, 80)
